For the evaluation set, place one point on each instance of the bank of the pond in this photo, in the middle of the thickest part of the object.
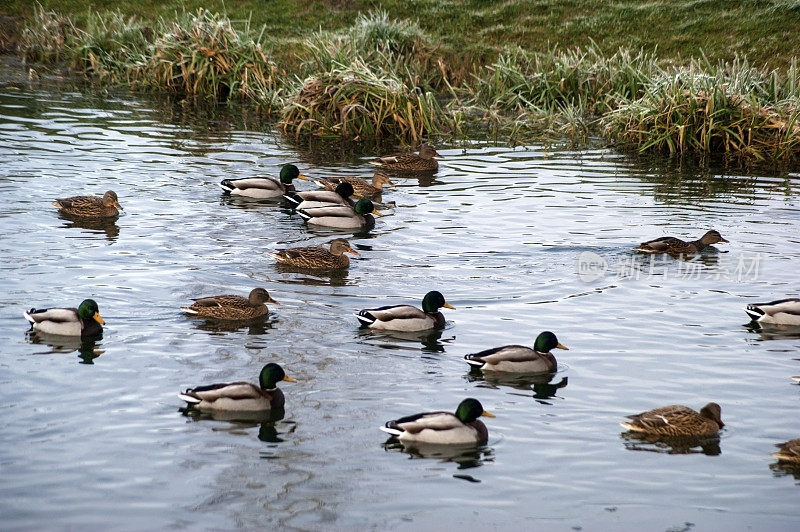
(384, 77)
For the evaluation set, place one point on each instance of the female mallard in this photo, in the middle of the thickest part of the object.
(264, 187)
(359, 216)
(677, 420)
(518, 358)
(311, 199)
(317, 257)
(232, 307)
(788, 451)
(676, 246)
(406, 317)
(361, 186)
(90, 206)
(443, 427)
(425, 161)
(241, 396)
(780, 312)
(84, 321)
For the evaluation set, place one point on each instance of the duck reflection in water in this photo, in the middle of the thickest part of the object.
(106, 226)
(467, 456)
(543, 385)
(431, 339)
(240, 422)
(638, 441)
(254, 327)
(313, 277)
(87, 348)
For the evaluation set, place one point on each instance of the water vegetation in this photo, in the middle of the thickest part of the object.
(407, 79)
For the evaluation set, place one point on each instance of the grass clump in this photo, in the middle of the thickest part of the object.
(357, 104)
(730, 109)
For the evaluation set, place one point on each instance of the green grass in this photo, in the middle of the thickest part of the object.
(658, 76)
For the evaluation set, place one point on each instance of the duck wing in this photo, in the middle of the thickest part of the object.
(57, 315)
(239, 390)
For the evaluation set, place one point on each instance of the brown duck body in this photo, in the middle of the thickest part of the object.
(106, 206)
(361, 186)
(317, 257)
(424, 161)
(789, 451)
(676, 246)
(232, 307)
(677, 420)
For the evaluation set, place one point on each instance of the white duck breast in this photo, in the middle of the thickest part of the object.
(434, 427)
(513, 358)
(781, 312)
(254, 187)
(398, 318)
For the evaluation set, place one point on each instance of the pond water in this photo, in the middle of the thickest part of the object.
(92, 441)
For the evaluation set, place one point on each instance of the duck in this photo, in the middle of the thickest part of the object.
(84, 321)
(788, 451)
(264, 187)
(796, 379)
(106, 206)
(424, 161)
(519, 358)
(311, 199)
(241, 396)
(361, 187)
(677, 420)
(461, 427)
(676, 246)
(407, 317)
(780, 312)
(317, 257)
(232, 307)
(359, 216)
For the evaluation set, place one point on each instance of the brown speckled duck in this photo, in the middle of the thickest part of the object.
(676, 246)
(677, 420)
(241, 396)
(317, 257)
(106, 206)
(788, 451)
(425, 161)
(361, 186)
(232, 307)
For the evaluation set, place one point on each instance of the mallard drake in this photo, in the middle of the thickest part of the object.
(406, 317)
(443, 427)
(780, 312)
(317, 257)
(342, 216)
(677, 420)
(788, 451)
(241, 396)
(264, 187)
(311, 199)
(84, 321)
(518, 358)
(425, 161)
(361, 186)
(232, 307)
(676, 246)
(106, 206)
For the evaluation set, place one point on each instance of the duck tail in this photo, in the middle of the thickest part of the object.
(304, 215)
(227, 185)
(188, 310)
(365, 317)
(293, 198)
(28, 315)
(387, 428)
(754, 312)
(473, 362)
(189, 398)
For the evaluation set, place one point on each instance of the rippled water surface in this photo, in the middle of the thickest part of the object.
(93, 441)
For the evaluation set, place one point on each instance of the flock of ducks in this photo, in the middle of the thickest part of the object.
(345, 203)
